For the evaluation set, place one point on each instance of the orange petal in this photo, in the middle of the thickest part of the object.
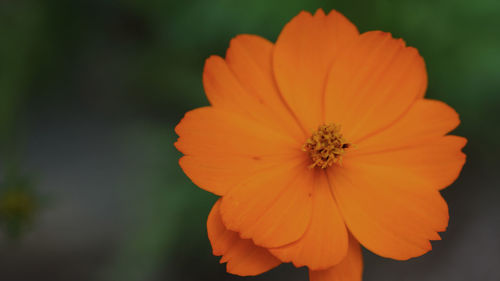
(243, 257)
(245, 84)
(304, 52)
(392, 214)
(373, 84)
(350, 269)
(250, 59)
(434, 163)
(426, 119)
(324, 243)
(272, 208)
(223, 148)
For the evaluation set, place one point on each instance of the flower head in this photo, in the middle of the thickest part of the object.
(319, 143)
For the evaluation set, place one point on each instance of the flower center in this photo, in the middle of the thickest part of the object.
(326, 146)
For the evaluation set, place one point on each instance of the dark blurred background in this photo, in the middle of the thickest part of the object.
(90, 92)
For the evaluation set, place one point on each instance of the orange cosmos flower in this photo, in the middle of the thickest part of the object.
(317, 144)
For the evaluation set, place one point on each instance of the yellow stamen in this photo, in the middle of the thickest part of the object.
(326, 146)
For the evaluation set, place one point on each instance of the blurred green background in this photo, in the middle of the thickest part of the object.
(90, 92)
